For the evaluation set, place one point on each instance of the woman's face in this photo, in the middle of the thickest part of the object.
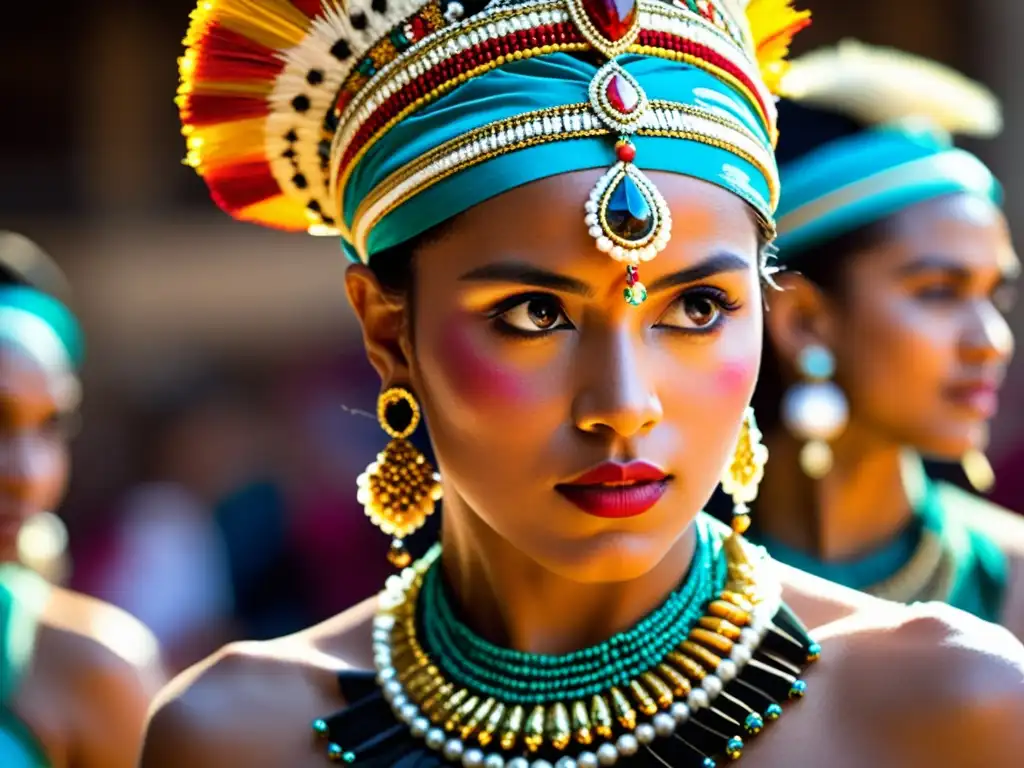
(920, 338)
(34, 411)
(532, 370)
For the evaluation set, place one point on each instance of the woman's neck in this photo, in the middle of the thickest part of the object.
(512, 601)
(860, 505)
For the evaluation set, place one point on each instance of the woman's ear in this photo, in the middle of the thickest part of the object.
(384, 321)
(798, 315)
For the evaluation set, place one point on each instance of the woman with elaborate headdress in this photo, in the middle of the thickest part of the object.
(888, 340)
(76, 675)
(558, 211)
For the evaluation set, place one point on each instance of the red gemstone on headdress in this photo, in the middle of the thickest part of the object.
(613, 18)
(625, 151)
(621, 94)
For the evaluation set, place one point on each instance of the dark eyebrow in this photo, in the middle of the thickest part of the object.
(717, 264)
(934, 263)
(527, 274)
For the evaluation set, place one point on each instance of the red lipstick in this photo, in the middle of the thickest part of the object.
(981, 397)
(613, 490)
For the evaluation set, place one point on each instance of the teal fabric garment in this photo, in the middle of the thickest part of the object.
(40, 322)
(542, 82)
(22, 597)
(18, 746)
(981, 568)
(860, 179)
(859, 573)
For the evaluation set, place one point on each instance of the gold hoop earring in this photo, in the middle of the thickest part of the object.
(400, 489)
(744, 472)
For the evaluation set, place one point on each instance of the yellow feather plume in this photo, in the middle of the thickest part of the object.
(878, 85)
(773, 25)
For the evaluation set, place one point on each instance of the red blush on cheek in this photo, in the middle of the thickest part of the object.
(475, 373)
(736, 376)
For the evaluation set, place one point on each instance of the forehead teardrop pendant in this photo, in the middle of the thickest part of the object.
(626, 214)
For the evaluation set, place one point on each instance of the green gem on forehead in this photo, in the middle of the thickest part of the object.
(635, 294)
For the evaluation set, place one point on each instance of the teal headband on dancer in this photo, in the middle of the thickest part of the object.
(680, 96)
(42, 326)
(865, 178)
(901, 153)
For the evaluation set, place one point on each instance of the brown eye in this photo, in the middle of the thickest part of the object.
(700, 311)
(535, 315)
(543, 313)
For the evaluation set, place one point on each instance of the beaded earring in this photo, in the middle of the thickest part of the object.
(400, 489)
(815, 410)
(744, 472)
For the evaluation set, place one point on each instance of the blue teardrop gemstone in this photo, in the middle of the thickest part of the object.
(629, 213)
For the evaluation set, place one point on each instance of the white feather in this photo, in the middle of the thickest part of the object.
(314, 52)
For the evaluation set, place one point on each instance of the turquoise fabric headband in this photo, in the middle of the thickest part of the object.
(855, 181)
(547, 82)
(41, 324)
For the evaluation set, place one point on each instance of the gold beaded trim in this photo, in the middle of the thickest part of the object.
(471, 716)
(383, 200)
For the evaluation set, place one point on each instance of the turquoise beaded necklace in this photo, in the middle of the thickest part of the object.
(529, 678)
(684, 687)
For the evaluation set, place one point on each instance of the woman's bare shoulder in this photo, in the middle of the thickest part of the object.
(251, 703)
(93, 633)
(819, 602)
(949, 683)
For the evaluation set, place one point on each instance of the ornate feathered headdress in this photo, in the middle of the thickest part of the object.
(377, 119)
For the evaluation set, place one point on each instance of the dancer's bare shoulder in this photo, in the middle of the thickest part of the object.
(94, 671)
(252, 703)
(907, 685)
(818, 602)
